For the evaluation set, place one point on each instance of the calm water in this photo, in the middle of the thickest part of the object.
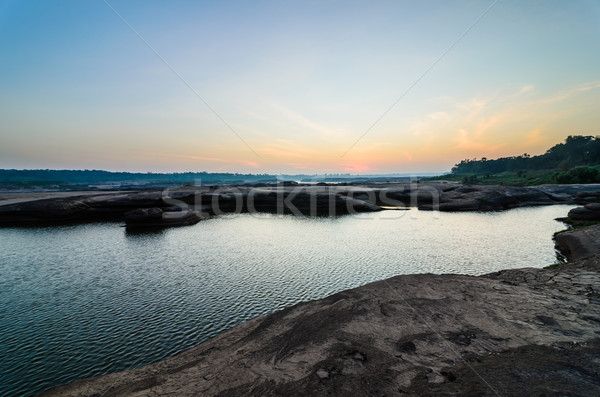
(78, 301)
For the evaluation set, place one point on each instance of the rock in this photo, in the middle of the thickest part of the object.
(579, 243)
(407, 347)
(587, 196)
(592, 206)
(322, 374)
(156, 217)
(584, 214)
(435, 377)
(330, 200)
(143, 214)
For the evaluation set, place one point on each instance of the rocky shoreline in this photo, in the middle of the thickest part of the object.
(311, 200)
(510, 333)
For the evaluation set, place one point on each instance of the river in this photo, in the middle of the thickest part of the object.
(84, 300)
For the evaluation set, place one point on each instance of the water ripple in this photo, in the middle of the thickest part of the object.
(80, 301)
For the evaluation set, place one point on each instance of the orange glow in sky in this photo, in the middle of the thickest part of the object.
(293, 87)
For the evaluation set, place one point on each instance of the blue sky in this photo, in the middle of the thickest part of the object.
(298, 83)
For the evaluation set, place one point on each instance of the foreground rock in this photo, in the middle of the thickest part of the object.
(511, 333)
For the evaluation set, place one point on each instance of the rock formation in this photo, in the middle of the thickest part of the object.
(298, 200)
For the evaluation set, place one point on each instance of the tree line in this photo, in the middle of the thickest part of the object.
(571, 161)
(577, 150)
(99, 176)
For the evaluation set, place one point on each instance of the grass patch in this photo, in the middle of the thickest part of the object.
(574, 224)
(555, 265)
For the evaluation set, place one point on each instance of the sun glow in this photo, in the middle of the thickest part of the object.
(286, 88)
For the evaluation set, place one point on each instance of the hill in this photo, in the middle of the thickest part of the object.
(577, 160)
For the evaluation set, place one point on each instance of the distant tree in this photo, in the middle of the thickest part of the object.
(564, 177)
(469, 179)
(584, 174)
(578, 175)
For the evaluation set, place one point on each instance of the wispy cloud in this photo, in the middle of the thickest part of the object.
(466, 141)
(284, 117)
(286, 149)
(534, 136)
(528, 88)
(499, 123)
(438, 115)
(571, 91)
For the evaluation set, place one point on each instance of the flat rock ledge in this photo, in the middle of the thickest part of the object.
(512, 333)
(297, 200)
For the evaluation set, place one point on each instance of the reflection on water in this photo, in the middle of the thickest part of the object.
(134, 233)
(83, 300)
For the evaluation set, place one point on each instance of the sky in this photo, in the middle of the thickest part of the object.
(296, 87)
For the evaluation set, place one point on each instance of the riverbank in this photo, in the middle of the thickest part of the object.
(513, 332)
(311, 200)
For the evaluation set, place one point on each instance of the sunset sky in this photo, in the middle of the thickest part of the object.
(291, 86)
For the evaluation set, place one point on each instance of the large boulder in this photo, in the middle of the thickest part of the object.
(579, 243)
(587, 213)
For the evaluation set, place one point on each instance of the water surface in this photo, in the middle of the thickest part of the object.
(79, 301)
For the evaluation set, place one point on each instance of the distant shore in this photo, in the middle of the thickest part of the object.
(27, 209)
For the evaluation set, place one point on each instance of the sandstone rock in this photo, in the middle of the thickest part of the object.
(579, 243)
(322, 374)
(592, 206)
(584, 214)
(292, 199)
(435, 377)
(156, 217)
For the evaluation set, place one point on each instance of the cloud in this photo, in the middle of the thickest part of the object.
(496, 124)
(534, 136)
(511, 97)
(286, 149)
(284, 117)
(571, 91)
(438, 115)
(465, 141)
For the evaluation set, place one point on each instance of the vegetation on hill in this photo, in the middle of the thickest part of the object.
(577, 160)
(576, 151)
